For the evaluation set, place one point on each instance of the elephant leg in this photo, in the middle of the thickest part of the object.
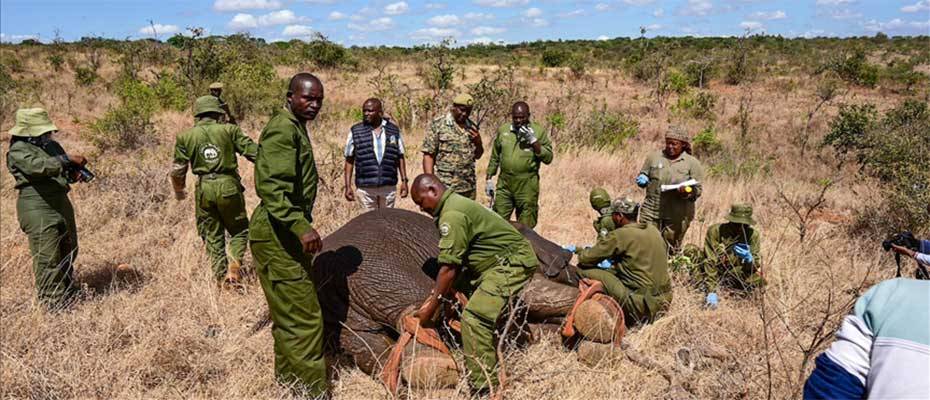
(369, 350)
(547, 299)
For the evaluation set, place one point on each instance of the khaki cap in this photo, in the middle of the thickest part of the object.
(216, 85)
(678, 133)
(464, 99)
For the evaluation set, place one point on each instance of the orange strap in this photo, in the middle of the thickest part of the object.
(390, 375)
(592, 289)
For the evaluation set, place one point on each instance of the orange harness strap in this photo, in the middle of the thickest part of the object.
(390, 375)
(592, 289)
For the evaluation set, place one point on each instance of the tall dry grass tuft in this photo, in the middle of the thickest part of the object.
(160, 329)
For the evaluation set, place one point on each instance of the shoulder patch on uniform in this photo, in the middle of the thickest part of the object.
(210, 153)
(444, 229)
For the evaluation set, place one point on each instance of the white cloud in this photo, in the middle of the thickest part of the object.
(238, 5)
(833, 2)
(477, 16)
(653, 27)
(638, 2)
(336, 16)
(698, 8)
(922, 5)
(159, 29)
(571, 14)
(444, 20)
(282, 17)
(16, 38)
(602, 7)
(242, 22)
(487, 30)
(751, 25)
(603, 37)
(378, 24)
(658, 13)
(396, 8)
(768, 16)
(813, 33)
(297, 31)
(539, 22)
(434, 33)
(897, 25)
(844, 13)
(435, 6)
(501, 3)
(532, 12)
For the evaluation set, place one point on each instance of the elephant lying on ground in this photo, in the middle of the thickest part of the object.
(380, 264)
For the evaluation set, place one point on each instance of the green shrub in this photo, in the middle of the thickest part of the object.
(605, 129)
(854, 69)
(699, 105)
(326, 54)
(56, 60)
(170, 93)
(129, 125)
(85, 76)
(577, 66)
(252, 89)
(706, 143)
(554, 58)
(676, 81)
(849, 127)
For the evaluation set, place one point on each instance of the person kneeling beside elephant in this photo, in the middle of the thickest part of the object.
(632, 264)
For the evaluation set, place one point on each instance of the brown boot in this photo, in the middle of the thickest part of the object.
(232, 278)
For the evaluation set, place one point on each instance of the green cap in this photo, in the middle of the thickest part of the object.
(625, 206)
(741, 214)
(464, 99)
(678, 133)
(216, 85)
(599, 199)
(205, 104)
(32, 122)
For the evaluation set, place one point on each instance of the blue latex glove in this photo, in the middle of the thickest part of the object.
(743, 252)
(711, 301)
(605, 264)
(570, 247)
(642, 180)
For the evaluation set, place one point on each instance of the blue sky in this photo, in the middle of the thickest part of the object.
(409, 22)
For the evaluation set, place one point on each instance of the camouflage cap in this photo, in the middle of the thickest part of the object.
(678, 133)
(625, 206)
(32, 122)
(741, 214)
(205, 104)
(599, 199)
(464, 99)
(216, 85)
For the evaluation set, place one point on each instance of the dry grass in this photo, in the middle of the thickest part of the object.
(162, 330)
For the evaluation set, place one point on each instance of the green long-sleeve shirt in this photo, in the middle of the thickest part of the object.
(718, 245)
(37, 169)
(515, 158)
(285, 179)
(663, 171)
(211, 147)
(638, 254)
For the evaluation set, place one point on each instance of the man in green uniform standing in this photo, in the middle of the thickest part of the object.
(283, 239)
(632, 264)
(600, 202)
(210, 149)
(518, 150)
(484, 257)
(452, 146)
(731, 255)
(42, 172)
(216, 90)
(672, 179)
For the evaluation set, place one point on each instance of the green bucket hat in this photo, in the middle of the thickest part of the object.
(464, 99)
(599, 199)
(625, 206)
(205, 104)
(741, 214)
(32, 122)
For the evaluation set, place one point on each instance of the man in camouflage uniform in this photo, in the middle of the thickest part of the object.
(481, 255)
(731, 255)
(632, 264)
(209, 149)
(42, 172)
(283, 239)
(216, 90)
(600, 202)
(518, 150)
(452, 146)
(671, 210)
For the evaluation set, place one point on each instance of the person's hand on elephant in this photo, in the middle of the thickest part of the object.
(404, 190)
(350, 194)
(311, 242)
(428, 310)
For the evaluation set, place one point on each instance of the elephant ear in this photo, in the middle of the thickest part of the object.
(554, 262)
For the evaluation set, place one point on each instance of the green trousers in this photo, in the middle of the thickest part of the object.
(284, 272)
(48, 222)
(520, 193)
(673, 230)
(221, 209)
(731, 273)
(639, 305)
(493, 293)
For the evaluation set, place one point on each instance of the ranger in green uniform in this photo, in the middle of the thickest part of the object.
(216, 90)
(671, 210)
(632, 264)
(731, 255)
(452, 146)
(518, 150)
(484, 257)
(210, 149)
(283, 240)
(42, 171)
(600, 202)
